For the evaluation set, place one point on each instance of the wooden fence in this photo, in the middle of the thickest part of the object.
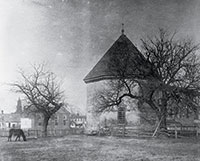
(172, 131)
(183, 131)
(123, 131)
(119, 131)
(38, 133)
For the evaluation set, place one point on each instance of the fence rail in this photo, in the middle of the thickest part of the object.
(172, 130)
(121, 131)
(39, 133)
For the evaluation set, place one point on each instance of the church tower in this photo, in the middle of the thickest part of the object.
(19, 106)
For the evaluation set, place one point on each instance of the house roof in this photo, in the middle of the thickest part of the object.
(122, 55)
(63, 110)
(74, 116)
(13, 117)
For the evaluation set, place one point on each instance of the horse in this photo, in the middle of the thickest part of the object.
(17, 133)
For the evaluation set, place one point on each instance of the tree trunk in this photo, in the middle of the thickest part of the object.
(45, 124)
(163, 112)
(163, 122)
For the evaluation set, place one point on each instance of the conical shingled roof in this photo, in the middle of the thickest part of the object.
(122, 54)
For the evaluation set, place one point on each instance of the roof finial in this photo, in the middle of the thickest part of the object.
(122, 29)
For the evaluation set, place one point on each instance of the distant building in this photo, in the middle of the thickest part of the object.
(60, 120)
(77, 121)
(9, 120)
(12, 120)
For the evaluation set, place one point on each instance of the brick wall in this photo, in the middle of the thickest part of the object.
(94, 121)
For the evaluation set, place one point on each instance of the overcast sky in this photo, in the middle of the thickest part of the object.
(72, 35)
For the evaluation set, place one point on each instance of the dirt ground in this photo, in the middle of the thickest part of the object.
(90, 148)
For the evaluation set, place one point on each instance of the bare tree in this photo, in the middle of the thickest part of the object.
(178, 73)
(42, 91)
(169, 73)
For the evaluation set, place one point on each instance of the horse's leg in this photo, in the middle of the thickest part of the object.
(9, 137)
(19, 137)
(16, 137)
(22, 135)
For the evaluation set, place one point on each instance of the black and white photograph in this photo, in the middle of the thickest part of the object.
(99, 80)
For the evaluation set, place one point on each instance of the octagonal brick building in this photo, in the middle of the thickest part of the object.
(104, 70)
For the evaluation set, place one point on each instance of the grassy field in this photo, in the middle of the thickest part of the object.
(90, 148)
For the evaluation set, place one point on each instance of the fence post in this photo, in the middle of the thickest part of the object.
(123, 130)
(175, 132)
(111, 129)
(197, 131)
